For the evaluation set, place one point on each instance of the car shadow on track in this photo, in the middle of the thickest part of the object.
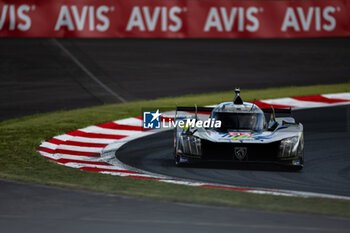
(236, 166)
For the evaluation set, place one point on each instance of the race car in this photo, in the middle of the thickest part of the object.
(246, 134)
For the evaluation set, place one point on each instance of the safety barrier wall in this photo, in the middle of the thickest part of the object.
(174, 18)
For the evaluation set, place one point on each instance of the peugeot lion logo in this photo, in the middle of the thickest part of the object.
(240, 152)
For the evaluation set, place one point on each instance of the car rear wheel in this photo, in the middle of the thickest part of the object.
(177, 161)
(177, 158)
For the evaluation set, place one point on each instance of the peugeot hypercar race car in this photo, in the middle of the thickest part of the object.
(246, 133)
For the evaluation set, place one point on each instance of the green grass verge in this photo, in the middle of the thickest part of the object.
(19, 159)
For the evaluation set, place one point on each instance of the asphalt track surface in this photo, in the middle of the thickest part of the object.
(327, 161)
(33, 208)
(43, 75)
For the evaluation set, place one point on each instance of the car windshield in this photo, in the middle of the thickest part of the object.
(240, 121)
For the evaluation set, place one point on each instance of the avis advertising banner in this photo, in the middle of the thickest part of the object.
(174, 18)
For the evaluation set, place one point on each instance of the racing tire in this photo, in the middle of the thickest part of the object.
(177, 160)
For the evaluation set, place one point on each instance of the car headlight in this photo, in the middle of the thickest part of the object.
(288, 147)
(192, 145)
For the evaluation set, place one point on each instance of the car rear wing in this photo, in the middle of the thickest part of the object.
(277, 111)
(270, 113)
(194, 109)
